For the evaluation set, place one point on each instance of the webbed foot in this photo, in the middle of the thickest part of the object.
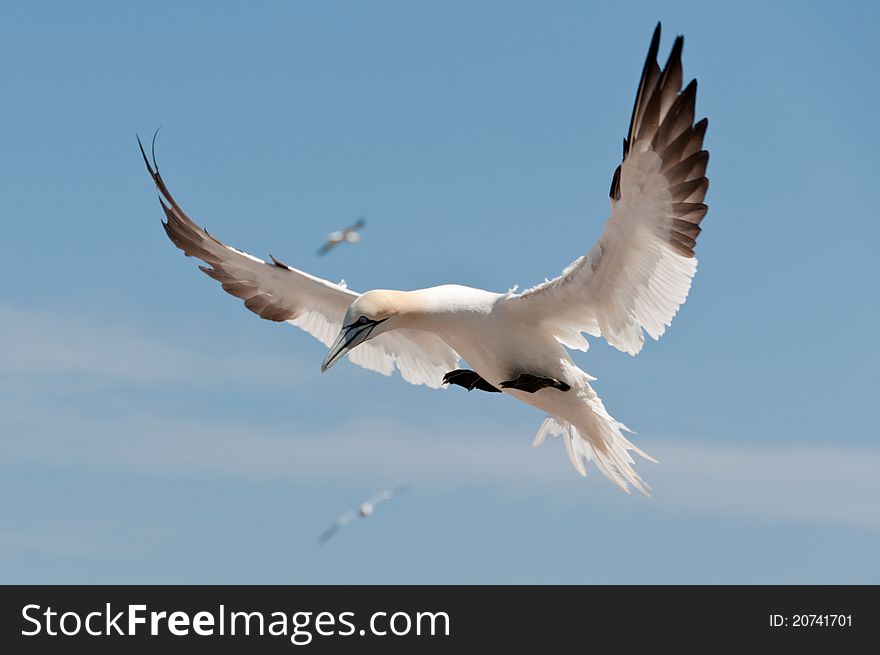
(469, 380)
(532, 383)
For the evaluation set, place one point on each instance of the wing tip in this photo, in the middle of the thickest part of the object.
(278, 263)
(655, 40)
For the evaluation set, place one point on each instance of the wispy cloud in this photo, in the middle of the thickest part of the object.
(48, 543)
(39, 343)
(807, 483)
(810, 483)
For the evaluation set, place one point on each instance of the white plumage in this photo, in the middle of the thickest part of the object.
(631, 282)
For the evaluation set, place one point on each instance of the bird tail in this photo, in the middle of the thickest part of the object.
(597, 438)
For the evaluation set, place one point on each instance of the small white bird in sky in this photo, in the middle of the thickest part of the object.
(364, 510)
(632, 281)
(349, 234)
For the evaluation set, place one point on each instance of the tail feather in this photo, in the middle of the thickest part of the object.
(598, 439)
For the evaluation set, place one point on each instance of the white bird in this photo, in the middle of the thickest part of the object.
(632, 281)
(349, 234)
(364, 510)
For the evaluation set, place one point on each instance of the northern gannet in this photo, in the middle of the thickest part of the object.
(364, 510)
(633, 280)
(349, 234)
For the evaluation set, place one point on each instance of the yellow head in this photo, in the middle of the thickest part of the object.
(370, 315)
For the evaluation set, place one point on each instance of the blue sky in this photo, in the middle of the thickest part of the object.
(153, 430)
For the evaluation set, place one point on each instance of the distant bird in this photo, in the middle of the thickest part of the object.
(364, 510)
(632, 281)
(349, 234)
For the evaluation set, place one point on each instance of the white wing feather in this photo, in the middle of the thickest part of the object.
(631, 280)
(639, 273)
(387, 494)
(278, 292)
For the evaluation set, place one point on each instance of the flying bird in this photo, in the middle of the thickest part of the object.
(632, 282)
(349, 234)
(364, 510)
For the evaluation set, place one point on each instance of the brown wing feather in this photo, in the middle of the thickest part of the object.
(195, 241)
(663, 115)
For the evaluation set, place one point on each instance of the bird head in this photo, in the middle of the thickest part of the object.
(370, 315)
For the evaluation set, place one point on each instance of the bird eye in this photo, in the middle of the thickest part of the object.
(363, 320)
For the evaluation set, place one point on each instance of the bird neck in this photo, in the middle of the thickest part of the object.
(436, 308)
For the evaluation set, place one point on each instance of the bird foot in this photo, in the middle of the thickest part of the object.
(532, 383)
(469, 380)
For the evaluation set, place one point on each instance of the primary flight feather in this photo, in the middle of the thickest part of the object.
(632, 281)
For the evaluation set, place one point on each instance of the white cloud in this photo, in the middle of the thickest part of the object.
(809, 483)
(43, 345)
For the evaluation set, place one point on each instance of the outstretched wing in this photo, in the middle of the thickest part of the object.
(388, 494)
(357, 225)
(278, 292)
(340, 523)
(333, 240)
(639, 272)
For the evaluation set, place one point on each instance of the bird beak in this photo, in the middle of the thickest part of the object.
(349, 337)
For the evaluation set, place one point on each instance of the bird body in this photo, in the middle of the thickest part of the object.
(630, 283)
(483, 328)
(364, 510)
(349, 234)
(495, 335)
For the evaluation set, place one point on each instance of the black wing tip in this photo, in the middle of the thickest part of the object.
(614, 192)
(654, 48)
(658, 28)
(154, 169)
(278, 263)
(675, 53)
(144, 154)
(153, 146)
(650, 63)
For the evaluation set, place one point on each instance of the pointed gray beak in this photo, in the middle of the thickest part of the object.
(349, 337)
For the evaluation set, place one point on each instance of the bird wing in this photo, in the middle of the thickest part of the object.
(639, 272)
(327, 247)
(387, 494)
(341, 522)
(357, 225)
(278, 292)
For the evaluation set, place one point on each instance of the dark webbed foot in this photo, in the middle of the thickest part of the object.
(532, 383)
(469, 380)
